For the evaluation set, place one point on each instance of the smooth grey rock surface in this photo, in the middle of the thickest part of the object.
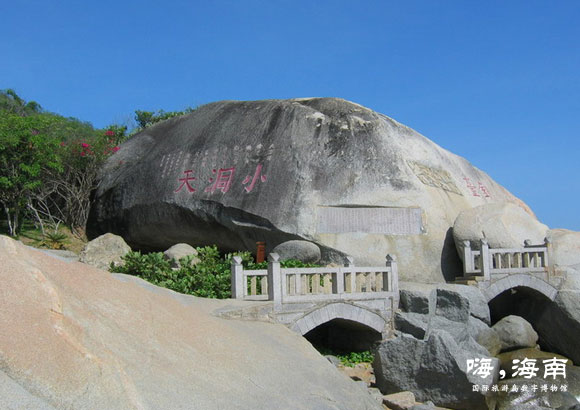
(178, 251)
(433, 369)
(565, 247)
(63, 255)
(304, 251)
(74, 338)
(504, 225)
(104, 250)
(324, 170)
(515, 332)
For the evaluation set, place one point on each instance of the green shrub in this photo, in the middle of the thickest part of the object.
(353, 358)
(208, 278)
(54, 240)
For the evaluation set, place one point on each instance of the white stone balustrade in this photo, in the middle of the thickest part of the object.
(488, 261)
(296, 285)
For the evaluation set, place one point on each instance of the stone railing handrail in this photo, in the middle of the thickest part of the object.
(295, 285)
(487, 261)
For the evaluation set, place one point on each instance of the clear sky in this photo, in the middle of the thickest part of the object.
(497, 82)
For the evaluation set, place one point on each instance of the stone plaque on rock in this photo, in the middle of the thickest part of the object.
(387, 221)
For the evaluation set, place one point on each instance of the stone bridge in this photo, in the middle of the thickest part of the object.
(496, 270)
(305, 298)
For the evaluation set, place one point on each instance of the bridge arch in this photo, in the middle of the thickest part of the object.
(520, 280)
(339, 310)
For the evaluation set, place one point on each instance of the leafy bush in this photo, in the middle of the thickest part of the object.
(209, 278)
(54, 240)
(353, 358)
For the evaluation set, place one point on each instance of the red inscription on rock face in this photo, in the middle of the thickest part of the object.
(476, 190)
(185, 181)
(471, 187)
(257, 176)
(223, 180)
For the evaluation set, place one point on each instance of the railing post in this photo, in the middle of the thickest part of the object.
(352, 279)
(274, 280)
(393, 282)
(237, 278)
(467, 258)
(338, 280)
(485, 261)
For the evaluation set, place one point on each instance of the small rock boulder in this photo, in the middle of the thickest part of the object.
(304, 251)
(399, 401)
(104, 250)
(178, 251)
(503, 224)
(515, 333)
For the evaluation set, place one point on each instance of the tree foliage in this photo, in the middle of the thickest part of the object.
(49, 164)
(147, 118)
(26, 152)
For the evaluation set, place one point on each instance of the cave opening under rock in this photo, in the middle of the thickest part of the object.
(521, 301)
(343, 336)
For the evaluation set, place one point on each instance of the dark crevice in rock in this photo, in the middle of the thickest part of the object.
(165, 224)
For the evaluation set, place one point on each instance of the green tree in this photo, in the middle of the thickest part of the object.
(147, 118)
(26, 150)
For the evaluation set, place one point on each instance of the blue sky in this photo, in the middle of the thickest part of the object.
(497, 82)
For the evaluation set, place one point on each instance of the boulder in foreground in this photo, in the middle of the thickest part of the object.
(75, 338)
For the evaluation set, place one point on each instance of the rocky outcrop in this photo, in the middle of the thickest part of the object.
(104, 250)
(433, 369)
(323, 170)
(440, 326)
(304, 251)
(515, 333)
(75, 338)
(503, 225)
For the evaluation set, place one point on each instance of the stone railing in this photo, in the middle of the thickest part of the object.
(295, 285)
(488, 261)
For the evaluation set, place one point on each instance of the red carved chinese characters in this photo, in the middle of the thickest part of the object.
(254, 179)
(222, 181)
(475, 190)
(185, 181)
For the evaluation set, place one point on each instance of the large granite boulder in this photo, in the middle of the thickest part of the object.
(104, 250)
(504, 225)
(433, 369)
(73, 338)
(325, 170)
(565, 247)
